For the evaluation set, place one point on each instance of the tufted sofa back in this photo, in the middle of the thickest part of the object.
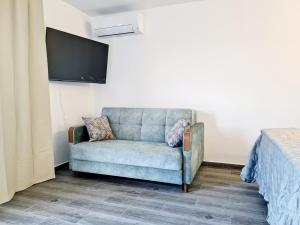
(144, 124)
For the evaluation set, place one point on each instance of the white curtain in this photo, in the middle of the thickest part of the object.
(26, 155)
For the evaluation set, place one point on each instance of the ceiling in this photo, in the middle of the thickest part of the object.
(102, 7)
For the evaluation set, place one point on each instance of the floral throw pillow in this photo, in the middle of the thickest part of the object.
(175, 135)
(98, 128)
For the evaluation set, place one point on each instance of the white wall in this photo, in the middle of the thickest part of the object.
(69, 101)
(236, 62)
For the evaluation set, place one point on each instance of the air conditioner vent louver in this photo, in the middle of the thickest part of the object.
(119, 24)
(115, 30)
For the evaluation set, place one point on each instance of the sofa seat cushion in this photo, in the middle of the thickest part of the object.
(135, 153)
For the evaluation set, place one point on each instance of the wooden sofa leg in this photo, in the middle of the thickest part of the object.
(74, 173)
(185, 188)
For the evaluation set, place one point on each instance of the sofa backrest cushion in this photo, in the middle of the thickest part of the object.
(144, 124)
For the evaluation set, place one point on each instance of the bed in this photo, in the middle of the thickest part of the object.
(274, 163)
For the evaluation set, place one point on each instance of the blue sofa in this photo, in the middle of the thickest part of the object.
(140, 150)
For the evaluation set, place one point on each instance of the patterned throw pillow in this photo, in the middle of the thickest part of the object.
(175, 135)
(98, 128)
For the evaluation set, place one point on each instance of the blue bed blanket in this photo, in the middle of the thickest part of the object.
(274, 164)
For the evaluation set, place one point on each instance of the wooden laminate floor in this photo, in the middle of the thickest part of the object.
(217, 197)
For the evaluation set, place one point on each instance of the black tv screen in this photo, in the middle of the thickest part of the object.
(75, 59)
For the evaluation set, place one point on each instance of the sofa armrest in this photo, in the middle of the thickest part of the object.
(78, 134)
(193, 151)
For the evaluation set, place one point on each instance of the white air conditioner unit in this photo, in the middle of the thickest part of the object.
(118, 24)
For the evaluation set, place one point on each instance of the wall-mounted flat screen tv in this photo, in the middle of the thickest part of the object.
(75, 59)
